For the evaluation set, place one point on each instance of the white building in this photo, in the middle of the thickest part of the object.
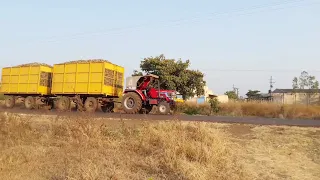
(223, 98)
(208, 92)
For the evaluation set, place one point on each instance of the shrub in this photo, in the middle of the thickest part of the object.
(256, 109)
(214, 105)
(192, 108)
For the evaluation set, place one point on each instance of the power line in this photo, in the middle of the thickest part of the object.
(257, 70)
(265, 6)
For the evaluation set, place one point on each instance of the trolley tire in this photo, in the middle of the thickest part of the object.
(29, 102)
(10, 101)
(91, 104)
(63, 103)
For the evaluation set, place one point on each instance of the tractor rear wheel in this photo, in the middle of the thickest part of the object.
(29, 102)
(131, 103)
(91, 104)
(63, 103)
(10, 101)
(163, 108)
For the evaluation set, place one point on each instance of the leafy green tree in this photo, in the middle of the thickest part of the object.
(137, 73)
(253, 94)
(231, 95)
(305, 81)
(175, 75)
(295, 83)
(315, 85)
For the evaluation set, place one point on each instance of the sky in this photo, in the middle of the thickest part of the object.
(240, 43)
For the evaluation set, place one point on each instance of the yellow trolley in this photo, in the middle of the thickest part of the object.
(89, 83)
(26, 82)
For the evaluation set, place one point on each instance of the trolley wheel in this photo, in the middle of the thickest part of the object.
(10, 101)
(63, 103)
(29, 102)
(91, 104)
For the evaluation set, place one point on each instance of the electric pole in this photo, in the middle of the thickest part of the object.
(236, 90)
(271, 82)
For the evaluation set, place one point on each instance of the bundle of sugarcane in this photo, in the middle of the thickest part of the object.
(33, 64)
(86, 61)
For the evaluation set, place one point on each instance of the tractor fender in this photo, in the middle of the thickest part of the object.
(140, 93)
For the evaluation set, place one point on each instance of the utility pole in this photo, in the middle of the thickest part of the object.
(236, 90)
(271, 82)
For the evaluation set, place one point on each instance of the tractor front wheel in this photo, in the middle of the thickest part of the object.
(131, 103)
(163, 108)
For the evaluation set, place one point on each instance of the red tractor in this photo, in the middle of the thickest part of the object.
(142, 93)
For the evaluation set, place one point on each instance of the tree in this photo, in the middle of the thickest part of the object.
(231, 95)
(305, 81)
(315, 85)
(253, 94)
(137, 73)
(295, 83)
(175, 75)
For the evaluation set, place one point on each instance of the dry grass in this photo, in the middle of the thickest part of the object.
(258, 109)
(281, 152)
(83, 148)
(87, 149)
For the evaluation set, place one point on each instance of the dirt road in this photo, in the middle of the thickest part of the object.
(220, 119)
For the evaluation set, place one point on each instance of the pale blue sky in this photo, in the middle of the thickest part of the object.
(214, 35)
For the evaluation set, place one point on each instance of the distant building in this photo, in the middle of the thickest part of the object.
(296, 96)
(207, 91)
(223, 98)
(205, 98)
(260, 97)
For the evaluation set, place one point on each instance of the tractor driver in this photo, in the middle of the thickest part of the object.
(150, 84)
(141, 84)
(145, 83)
(150, 88)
